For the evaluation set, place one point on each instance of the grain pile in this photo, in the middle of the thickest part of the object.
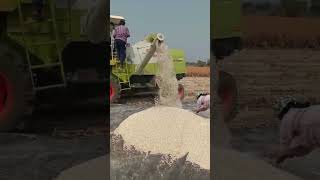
(169, 130)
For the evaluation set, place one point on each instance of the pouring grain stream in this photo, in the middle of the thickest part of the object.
(167, 80)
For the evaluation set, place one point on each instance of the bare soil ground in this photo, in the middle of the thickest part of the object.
(55, 139)
(284, 32)
(192, 85)
(194, 71)
(264, 75)
(263, 143)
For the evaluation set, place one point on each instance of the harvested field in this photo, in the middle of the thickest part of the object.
(265, 75)
(284, 32)
(194, 84)
(194, 71)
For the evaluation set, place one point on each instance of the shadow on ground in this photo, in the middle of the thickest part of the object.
(261, 142)
(53, 139)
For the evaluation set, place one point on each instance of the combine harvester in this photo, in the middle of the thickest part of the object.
(41, 61)
(141, 66)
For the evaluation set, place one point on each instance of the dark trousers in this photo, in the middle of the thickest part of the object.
(38, 5)
(121, 50)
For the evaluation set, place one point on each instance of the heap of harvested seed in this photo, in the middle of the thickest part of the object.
(169, 130)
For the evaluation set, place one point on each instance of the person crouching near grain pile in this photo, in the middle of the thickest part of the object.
(299, 129)
(203, 102)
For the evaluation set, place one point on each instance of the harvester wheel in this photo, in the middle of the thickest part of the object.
(15, 90)
(114, 90)
(229, 94)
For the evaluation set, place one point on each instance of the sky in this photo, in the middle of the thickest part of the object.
(184, 23)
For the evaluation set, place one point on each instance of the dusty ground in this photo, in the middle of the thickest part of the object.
(262, 143)
(192, 85)
(54, 140)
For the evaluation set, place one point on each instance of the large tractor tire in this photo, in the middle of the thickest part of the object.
(229, 94)
(15, 88)
(114, 90)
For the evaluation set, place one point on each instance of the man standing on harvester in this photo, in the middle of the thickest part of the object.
(121, 34)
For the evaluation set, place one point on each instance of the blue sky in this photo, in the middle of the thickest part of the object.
(185, 23)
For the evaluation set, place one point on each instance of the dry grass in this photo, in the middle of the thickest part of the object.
(265, 75)
(194, 71)
(281, 32)
(192, 85)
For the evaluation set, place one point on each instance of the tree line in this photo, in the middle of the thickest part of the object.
(199, 63)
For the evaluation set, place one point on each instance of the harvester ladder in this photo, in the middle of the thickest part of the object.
(54, 42)
(127, 78)
(124, 71)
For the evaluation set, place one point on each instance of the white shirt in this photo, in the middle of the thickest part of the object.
(203, 102)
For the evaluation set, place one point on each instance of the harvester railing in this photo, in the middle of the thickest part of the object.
(122, 73)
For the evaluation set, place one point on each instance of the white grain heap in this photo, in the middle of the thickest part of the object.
(169, 130)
